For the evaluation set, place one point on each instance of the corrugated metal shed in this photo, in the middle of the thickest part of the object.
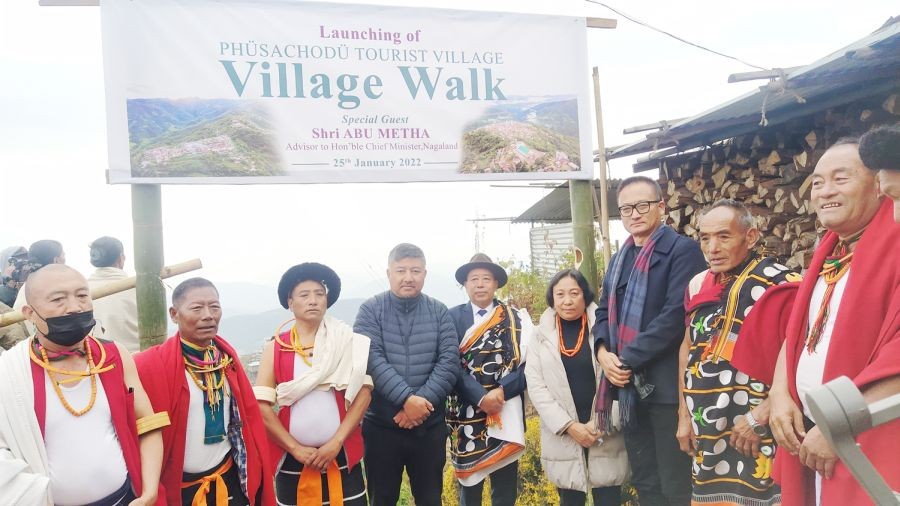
(868, 67)
(556, 207)
(548, 245)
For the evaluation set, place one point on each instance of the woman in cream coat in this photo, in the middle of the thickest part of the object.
(562, 377)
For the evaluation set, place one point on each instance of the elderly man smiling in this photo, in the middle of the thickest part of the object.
(845, 322)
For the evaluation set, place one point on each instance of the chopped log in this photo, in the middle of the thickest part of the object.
(719, 175)
(892, 104)
(811, 139)
(800, 159)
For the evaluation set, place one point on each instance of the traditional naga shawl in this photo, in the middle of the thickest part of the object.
(746, 285)
(717, 393)
(480, 444)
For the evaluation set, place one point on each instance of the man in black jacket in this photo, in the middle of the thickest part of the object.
(489, 393)
(639, 327)
(414, 363)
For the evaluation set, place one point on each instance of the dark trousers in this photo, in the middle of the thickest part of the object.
(504, 484)
(602, 496)
(422, 451)
(660, 471)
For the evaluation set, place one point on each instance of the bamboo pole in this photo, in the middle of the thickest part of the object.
(604, 190)
(581, 202)
(146, 214)
(113, 287)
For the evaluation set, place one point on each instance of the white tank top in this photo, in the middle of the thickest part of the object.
(811, 366)
(86, 461)
(315, 417)
(198, 456)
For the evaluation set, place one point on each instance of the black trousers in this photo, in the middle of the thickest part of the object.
(422, 451)
(660, 471)
(504, 488)
(602, 496)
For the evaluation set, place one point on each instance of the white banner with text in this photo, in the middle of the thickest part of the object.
(276, 91)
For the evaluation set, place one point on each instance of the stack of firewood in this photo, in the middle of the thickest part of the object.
(769, 172)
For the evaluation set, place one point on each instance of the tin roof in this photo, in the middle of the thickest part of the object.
(556, 207)
(868, 67)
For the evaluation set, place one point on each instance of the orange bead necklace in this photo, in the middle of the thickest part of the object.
(571, 352)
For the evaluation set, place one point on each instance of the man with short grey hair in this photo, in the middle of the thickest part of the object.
(724, 409)
(414, 363)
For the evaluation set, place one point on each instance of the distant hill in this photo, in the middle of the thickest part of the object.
(149, 117)
(248, 332)
(515, 146)
(218, 139)
(559, 114)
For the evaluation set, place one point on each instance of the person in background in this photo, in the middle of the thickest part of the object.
(12, 259)
(117, 313)
(562, 377)
(40, 254)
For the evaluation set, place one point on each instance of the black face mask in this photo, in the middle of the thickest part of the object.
(68, 330)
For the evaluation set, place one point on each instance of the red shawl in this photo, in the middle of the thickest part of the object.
(763, 333)
(865, 347)
(161, 369)
(121, 408)
(284, 371)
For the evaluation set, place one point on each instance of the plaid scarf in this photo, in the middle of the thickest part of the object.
(622, 333)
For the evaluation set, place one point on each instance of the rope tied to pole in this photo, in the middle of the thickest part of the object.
(778, 86)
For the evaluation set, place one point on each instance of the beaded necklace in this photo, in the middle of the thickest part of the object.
(562, 345)
(93, 371)
(211, 367)
(834, 268)
(295, 345)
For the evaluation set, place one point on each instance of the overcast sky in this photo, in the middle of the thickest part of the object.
(53, 152)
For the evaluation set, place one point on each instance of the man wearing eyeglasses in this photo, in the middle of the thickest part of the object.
(639, 327)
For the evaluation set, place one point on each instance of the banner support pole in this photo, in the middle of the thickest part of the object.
(146, 213)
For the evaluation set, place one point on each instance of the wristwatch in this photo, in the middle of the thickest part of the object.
(758, 428)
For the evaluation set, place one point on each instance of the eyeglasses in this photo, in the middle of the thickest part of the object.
(640, 207)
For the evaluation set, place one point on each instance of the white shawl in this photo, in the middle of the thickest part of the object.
(24, 469)
(341, 360)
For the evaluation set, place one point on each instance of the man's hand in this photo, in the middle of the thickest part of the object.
(687, 440)
(417, 408)
(786, 421)
(144, 500)
(323, 455)
(303, 454)
(743, 439)
(403, 421)
(493, 401)
(612, 367)
(817, 454)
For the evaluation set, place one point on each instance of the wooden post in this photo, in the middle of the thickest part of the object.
(604, 190)
(581, 200)
(146, 214)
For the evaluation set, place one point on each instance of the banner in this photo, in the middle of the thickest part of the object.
(277, 91)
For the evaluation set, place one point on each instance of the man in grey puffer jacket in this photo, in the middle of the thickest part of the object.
(414, 363)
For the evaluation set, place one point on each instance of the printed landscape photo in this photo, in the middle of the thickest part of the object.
(533, 134)
(200, 138)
